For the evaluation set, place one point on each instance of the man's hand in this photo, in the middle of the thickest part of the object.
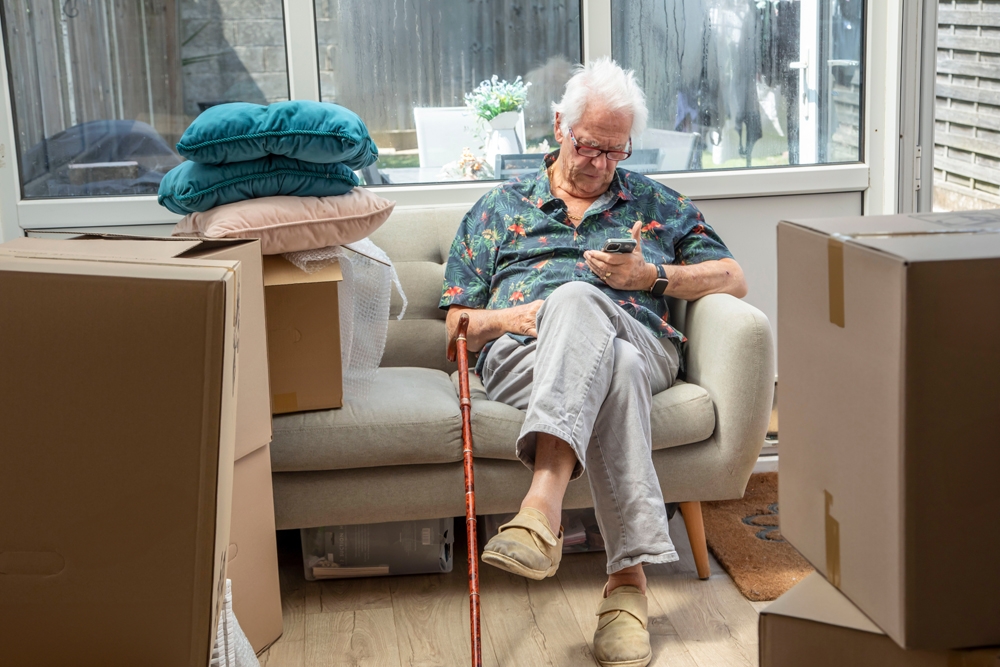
(523, 319)
(487, 325)
(624, 271)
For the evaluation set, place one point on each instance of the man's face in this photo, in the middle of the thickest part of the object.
(599, 128)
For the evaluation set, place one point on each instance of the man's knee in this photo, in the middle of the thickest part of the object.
(573, 295)
(629, 362)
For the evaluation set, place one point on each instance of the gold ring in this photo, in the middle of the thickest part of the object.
(607, 275)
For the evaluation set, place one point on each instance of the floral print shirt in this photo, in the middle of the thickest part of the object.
(517, 243)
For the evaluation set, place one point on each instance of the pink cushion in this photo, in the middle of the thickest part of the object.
(290, 224)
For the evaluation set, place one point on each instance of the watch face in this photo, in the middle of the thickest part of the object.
(659, 287)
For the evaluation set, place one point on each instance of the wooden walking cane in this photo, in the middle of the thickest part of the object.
(462, 355)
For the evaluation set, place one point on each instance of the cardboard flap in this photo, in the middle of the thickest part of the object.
(968, 244)
(815, 599)
(97, 247)
(910, 238)
(279, 271)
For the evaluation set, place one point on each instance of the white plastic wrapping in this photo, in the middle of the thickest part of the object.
(364, 307)
(232, 648)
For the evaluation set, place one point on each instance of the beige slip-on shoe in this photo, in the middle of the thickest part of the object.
(621, 639)
(526, 546)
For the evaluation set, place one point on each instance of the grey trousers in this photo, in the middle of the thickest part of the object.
(589, 380)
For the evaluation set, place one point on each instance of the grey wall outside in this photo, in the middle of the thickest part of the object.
(238, 53)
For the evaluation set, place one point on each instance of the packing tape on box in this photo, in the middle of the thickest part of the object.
(832, 542)
(285, 402)
(835, 259)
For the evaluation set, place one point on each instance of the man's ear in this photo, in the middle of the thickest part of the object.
(558, 129)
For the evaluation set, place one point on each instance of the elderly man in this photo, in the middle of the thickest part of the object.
(580, 338)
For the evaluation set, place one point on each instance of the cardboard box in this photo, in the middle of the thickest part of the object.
(890, 419)
(253, 427)
(253, 552)
(815, 625)
(303, 336)
(118, 418)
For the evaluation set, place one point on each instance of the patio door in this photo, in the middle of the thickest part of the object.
(829, 80)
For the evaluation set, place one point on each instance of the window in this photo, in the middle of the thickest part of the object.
(745, 83)
(406, 65)
(103, 89)
(967, 114)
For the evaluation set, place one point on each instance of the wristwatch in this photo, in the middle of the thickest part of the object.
(661, 282)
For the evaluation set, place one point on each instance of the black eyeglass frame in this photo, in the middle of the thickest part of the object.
(607, 154)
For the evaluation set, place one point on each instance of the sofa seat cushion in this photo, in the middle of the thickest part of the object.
(681, 415)
(411, 417)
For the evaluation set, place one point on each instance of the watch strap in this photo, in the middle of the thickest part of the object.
(661, 282)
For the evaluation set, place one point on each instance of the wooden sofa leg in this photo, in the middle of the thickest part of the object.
(696, 535)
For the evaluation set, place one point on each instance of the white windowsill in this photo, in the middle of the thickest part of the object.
(699, 185)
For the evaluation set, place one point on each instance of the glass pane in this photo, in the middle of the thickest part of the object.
(967, 113)
(745, 83)
(103, 89)
(406, 65)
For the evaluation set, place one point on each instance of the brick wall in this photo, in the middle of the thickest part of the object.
(232, 50)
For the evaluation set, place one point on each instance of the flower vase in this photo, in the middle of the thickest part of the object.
(506, 136)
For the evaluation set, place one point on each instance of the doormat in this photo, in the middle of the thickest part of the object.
(744, 537)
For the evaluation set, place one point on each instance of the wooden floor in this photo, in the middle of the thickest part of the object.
(422, 621)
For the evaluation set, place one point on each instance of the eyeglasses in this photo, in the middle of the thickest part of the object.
(591, 152)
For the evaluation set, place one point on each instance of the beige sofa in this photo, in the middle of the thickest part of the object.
(398, 455)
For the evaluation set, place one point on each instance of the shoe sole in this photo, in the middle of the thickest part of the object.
(508, 564)
(641, 662)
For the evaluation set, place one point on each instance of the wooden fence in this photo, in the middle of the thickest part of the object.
(74, 61)
(967, 117)
(393, 55)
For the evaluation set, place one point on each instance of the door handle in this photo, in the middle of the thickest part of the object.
(803, 67)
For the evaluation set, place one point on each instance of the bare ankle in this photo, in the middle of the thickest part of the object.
(552, 513)
(630, 576)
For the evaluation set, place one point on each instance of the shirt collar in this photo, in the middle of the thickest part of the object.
(542, 191)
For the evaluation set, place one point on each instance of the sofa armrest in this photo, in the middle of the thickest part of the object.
(730, 353)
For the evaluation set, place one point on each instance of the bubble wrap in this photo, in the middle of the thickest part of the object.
(364, 307)
(232, 648)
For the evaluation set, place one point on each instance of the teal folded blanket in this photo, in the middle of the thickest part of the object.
(309, 131)
(192, 187)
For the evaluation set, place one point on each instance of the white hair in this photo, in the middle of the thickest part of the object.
(606, 83)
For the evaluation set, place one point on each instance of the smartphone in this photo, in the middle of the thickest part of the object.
(619, 245)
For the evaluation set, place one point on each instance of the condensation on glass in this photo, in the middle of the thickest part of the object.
(103, 89)
(405, 66)
(745, 83)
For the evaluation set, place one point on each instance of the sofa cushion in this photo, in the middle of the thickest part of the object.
(681, 415)
(411, 417)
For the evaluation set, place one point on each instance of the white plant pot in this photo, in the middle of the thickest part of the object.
(507, 135)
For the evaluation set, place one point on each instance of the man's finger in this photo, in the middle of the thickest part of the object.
(596, 266)
(599, 255)
(637, 231)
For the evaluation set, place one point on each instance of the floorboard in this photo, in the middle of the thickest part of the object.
(362, 638)
(423, 620)
(432, 620)
(716, 623)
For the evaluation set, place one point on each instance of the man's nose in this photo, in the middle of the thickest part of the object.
(600, 161)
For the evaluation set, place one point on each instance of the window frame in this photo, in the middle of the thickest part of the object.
(875, 175)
